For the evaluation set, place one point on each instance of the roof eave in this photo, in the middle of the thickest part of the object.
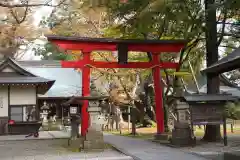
(112, 40)
(44, 87)
(219, 68)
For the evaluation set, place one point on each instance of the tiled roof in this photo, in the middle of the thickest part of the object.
(209, 97)
(23, 80)
(23, 76)
(227, 63)
(67, 81)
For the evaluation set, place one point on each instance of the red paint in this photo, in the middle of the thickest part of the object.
(85, 92)
(85, 46)
(123, 1)
(88, 46)
(80, 64)
(110, 46)
(158, 96)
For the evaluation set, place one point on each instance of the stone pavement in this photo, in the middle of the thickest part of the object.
(42, 135)
(144, 150)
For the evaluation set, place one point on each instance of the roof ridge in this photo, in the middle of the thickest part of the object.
(10, 60)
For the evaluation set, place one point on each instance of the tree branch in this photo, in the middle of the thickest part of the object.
(8, 5)
(14, 14)
(226, 46)
(223, 26)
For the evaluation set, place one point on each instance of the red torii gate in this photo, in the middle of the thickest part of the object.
(87, 45)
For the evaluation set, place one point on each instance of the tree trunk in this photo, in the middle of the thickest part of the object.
(212, 132)
(165, 110)
(140, 116)
(166, 117)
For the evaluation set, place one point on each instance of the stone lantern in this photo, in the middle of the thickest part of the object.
(94, 135)
(44, 112)
(182, 131)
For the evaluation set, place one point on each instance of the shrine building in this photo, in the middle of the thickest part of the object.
(26, 85)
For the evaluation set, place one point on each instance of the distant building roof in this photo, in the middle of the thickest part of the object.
(41, 63)
(16, 74)
(228, 63)
(224, 90)
(225, 86)
(209, 97)
(67, 81)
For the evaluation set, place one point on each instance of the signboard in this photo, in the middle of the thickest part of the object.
(202, 114)
(73, 110)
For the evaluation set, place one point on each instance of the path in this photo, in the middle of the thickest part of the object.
(51, 145)
(144, 150)
(51, 150)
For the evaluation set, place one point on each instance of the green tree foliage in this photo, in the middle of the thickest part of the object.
(51, 52)
(233, 110)
(159, 20)
(185, 19)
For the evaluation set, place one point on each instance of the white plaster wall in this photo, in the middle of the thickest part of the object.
(22, 95)
(3, 101)
(8, 69)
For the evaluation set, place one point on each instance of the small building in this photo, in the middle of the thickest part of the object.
(19, 90)
(67, 84)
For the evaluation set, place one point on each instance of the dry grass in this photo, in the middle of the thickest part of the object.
(148, 133)
(143, 133)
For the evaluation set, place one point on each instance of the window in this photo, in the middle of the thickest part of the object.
(16, 113)
(23, 113)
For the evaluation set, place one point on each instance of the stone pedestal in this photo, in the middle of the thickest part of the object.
(44, 116)
(181, 135)
(93, 140)
(162, 136)
(94, 136)
(75, 143)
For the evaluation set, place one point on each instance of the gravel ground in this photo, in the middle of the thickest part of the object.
(204, 147)
(50, 150)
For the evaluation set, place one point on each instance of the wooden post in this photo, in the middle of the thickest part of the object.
(133, 115)
(158, 95)
(129, 117)
(224, 131)
(85, 92)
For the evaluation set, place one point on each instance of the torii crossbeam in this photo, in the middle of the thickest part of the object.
(87, 45)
